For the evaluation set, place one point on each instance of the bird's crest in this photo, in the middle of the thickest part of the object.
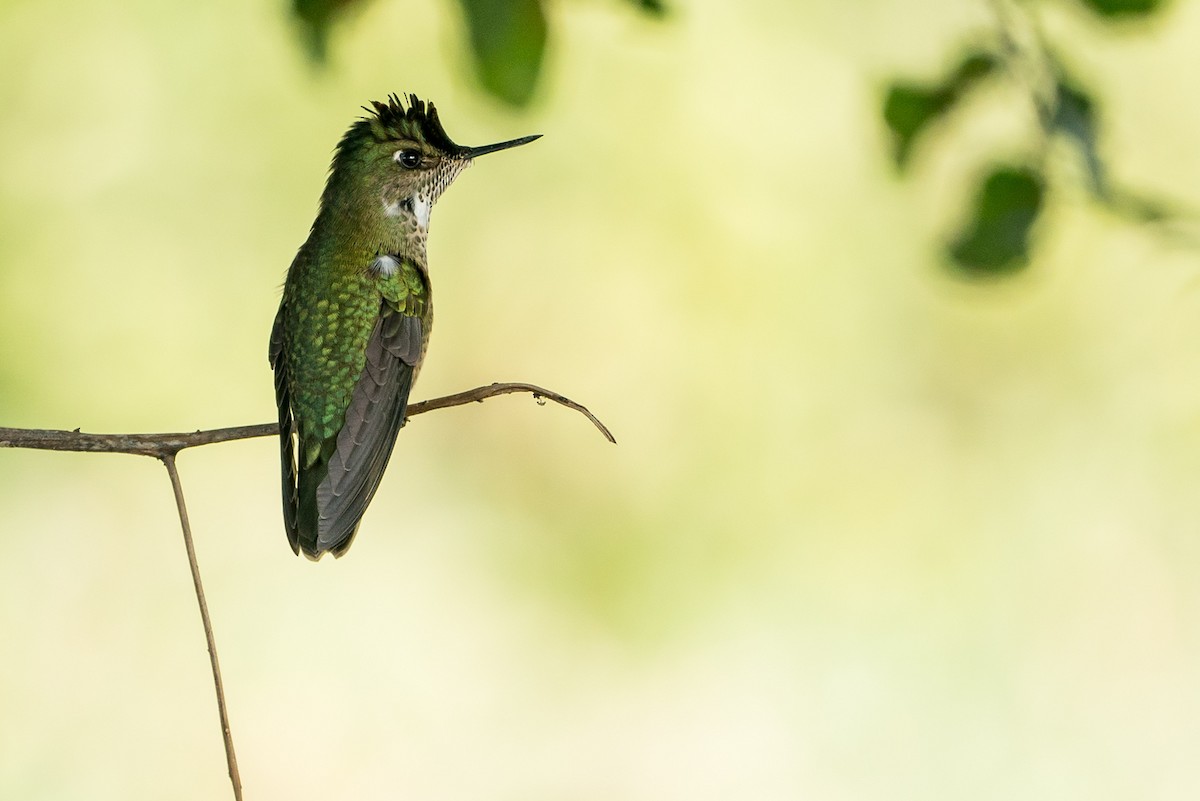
(417, 121)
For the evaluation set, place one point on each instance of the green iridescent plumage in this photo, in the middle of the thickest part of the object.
(354, 320)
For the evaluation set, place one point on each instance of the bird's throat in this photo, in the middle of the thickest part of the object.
(417, 207)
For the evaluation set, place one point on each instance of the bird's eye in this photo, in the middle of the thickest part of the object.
(409, 159)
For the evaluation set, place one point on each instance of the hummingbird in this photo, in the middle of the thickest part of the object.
(353, 324)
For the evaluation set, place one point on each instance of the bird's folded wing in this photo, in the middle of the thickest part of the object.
(373, 419)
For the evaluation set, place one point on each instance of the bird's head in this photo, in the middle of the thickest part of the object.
(401, 154)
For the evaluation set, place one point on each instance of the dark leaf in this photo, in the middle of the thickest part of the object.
(317, 16)
(910, 108)
(1123, 8)
(508, 38)
(653, 7)
(1075, 116)
(997, 238)
(975, 65)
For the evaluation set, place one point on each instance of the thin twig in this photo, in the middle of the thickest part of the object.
(230, 757)
(1029, 61)
(480, 394)
(160, 445)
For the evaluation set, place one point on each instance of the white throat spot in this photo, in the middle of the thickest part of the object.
(421, 207)
(385, 266)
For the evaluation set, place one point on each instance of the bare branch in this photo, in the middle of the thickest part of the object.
(163, 445)
(230, 757)
(166, 446)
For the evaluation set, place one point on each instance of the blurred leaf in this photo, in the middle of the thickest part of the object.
(508, 38)
(1123, 8)
(997, 240)
(655, 7)
(910, 108)
(317, 17)
(976, 64)
(1075, 116)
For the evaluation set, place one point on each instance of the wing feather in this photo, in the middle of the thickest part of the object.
(287, 457)
(373, 419)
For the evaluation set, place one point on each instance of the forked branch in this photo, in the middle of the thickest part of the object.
(166, 446)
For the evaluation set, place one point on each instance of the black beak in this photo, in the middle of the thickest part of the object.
(472, 152)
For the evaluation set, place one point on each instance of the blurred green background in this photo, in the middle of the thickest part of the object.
(870, 532)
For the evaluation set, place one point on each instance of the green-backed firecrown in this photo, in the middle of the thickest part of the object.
(354, 321)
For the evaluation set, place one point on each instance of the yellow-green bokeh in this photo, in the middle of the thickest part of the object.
(868, 533)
